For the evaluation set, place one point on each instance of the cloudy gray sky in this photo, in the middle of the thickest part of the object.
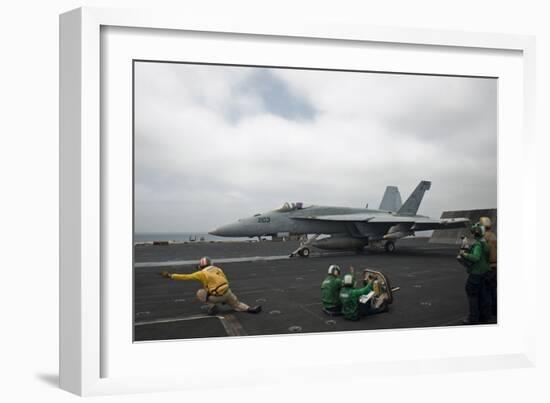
(216, 143)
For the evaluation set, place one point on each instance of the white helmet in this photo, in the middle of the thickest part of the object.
(333, 268)
(205, 262)
(348, 280)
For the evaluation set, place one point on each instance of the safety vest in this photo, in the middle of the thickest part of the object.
(491, 240)
(215, 281)
(480, 258)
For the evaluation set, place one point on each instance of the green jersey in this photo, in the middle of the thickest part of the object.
(349, 297)
(479, 256)
(330, 290)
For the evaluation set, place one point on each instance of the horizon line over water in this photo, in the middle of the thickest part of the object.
(182, 237)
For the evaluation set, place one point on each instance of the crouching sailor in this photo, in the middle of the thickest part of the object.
(349, 297)
(330, 291)
(215, 287)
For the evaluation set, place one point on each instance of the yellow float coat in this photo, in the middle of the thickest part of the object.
(212, 278)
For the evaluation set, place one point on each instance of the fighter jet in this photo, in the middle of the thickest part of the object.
(344, 228)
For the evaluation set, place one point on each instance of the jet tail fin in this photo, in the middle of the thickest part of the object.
(413, 202)
(391, 200)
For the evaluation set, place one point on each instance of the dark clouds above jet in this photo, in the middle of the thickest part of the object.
(276, 96)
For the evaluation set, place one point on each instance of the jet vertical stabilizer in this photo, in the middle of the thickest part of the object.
(413, 202)
(391, 200)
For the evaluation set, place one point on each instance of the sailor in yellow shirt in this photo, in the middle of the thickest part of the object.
(215, 287)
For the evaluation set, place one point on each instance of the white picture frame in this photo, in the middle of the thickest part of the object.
(85, 174)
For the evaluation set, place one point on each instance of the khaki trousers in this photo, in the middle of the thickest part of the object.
(228, 298)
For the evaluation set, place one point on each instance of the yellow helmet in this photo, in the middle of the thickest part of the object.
(485, 221)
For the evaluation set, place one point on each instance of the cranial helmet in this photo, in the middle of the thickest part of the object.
(485, 221)
(348, 280)
(477, 230)
(334, 269)
(205, 262)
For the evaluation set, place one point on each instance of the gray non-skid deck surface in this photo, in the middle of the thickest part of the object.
(207, 326)
(431, 281)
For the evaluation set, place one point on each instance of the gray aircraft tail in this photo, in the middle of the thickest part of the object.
(413, 202)
(391, 200)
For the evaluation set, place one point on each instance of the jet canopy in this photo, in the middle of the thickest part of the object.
(290, 207)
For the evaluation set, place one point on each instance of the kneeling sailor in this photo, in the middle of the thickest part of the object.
(215, 287)
(349, 297)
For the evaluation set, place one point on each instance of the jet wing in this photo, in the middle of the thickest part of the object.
(444, 223)
(338, 217)
(417, 223)
(423, 223)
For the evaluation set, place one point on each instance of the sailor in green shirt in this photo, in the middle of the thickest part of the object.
(349, 297)
(330, 291)
(477, 290)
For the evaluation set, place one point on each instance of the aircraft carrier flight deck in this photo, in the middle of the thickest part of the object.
(430, 279)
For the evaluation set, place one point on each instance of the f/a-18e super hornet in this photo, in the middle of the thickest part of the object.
(344, 228)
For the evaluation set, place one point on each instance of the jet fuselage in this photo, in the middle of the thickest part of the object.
(300, 221)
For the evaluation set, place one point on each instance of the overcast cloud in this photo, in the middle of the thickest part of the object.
(216, 143)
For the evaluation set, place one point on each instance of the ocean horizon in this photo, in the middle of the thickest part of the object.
(182, 237)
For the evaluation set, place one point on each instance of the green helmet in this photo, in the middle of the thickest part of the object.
(348, 280)
(485, 221)
(477, 230)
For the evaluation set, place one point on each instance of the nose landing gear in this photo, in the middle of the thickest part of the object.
(302, 251)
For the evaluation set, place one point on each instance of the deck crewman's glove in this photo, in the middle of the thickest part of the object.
(165, 274)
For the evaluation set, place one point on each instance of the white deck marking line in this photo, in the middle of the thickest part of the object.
(242, 259)
(194, 261)
(176, 319)
(229, 322)
(232, 325)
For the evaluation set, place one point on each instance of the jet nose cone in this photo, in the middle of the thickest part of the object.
(224, 230)
(228, 230)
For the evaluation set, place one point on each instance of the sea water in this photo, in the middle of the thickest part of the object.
(142, 237)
